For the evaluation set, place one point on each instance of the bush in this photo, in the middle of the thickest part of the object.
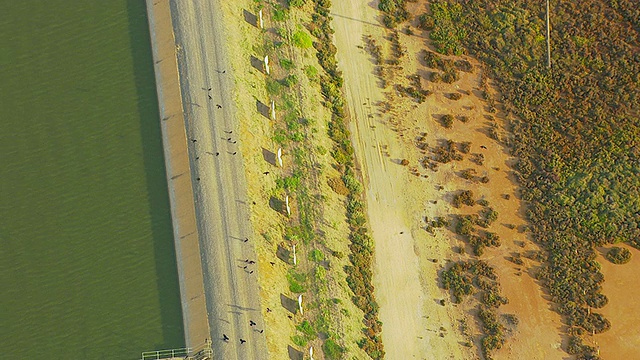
(308, 330)
(316, 255)
(273, 87)
(455, 96)
(465, 147)
(332, 350)
(435, 77)
(294, 285)
(448, 30)
(447, 121)
(433, 60)
(352, 184)
(450, 77)
(287, 64)
(280, 14)
(311, 72)
(463, 65)
(468, 173)
(291, 80)
(299, 340)
(302, 40)
(464, 197)
(297, 3)
(619, 255)
(425, 22)
(337, 185)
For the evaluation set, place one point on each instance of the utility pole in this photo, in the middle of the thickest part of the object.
(548, 39)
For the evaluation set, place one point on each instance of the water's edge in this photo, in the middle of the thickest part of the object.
(178, 169)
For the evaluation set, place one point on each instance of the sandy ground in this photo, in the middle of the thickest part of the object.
(622, 341)
(220, 193)
(410, 317)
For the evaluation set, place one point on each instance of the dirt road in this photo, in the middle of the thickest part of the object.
(396, 270)
(218, 181)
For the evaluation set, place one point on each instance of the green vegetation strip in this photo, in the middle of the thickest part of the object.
(359, 273)
(292, 133)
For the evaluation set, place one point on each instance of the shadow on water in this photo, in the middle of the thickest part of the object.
(159, 207)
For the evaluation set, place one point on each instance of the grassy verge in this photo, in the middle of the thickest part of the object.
(327, 321)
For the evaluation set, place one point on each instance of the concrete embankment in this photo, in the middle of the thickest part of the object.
(185, 232)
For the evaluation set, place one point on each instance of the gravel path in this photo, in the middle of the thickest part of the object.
(220, 193)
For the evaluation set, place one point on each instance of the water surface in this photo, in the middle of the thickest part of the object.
(87, 263)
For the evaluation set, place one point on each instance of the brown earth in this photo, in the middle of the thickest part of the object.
(622, 341)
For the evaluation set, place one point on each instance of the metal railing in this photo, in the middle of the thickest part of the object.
(201, 352)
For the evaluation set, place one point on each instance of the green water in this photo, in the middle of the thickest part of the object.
(87, 263)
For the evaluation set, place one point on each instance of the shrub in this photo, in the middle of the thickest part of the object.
(425, 22)
(352, 184)
(273, 87)
(316, 255)
(280, 137)
(280, 14)
(294, 286)
(465, 147)
(289, 183)
(299, 340)
(491, 215)
(464, 226)
(447, 121)
(311, 72)
(448, 31)
(432, 60)
(287, 64)
(619, 255)
(464, 197)
(455, 96)
(297, 3)
(468, 174)
(302, 40)
(332, 350)
(308, 330)
(446, 152)
(477, 158)
(450, 77)
(435, 77)
(337, 185)
(290, 80)
(463, 65)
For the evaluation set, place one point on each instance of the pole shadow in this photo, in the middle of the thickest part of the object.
(250, 17)
(294, 354)
(257, 64)
(290, 304)
(283, 254)
(263, 109)
(269, 156)
(277, 205)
